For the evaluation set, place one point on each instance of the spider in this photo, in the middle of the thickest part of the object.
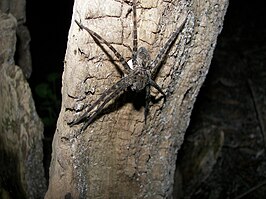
(139, 77)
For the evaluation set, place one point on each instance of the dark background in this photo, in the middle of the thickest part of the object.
(238, 59)
(48, 22)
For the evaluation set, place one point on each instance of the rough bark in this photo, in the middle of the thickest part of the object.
(119, 156)
(23, 57)
(21, 170)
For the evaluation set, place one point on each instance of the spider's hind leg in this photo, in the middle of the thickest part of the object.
(148, 96)
(147, 101)
(155, 85)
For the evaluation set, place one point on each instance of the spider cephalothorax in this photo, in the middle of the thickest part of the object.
(138, 77)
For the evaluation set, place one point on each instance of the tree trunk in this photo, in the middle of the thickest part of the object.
(21, 170)
(119, 155)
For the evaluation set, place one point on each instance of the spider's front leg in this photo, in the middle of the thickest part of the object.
(155, 65)
(99, 38)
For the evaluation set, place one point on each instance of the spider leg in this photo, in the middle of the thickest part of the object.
(99, 109)
(114, 91)
(162, 53)
(102, 101)
(135, 35)
(147, 101)
(99, 38)
(155, 85)
(148, 96)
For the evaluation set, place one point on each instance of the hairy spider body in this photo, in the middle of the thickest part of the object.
(138, 78)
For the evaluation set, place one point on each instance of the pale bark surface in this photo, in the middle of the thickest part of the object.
(119, 156)
(21, 171)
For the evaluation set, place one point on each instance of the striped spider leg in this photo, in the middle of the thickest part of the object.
(138, 77)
